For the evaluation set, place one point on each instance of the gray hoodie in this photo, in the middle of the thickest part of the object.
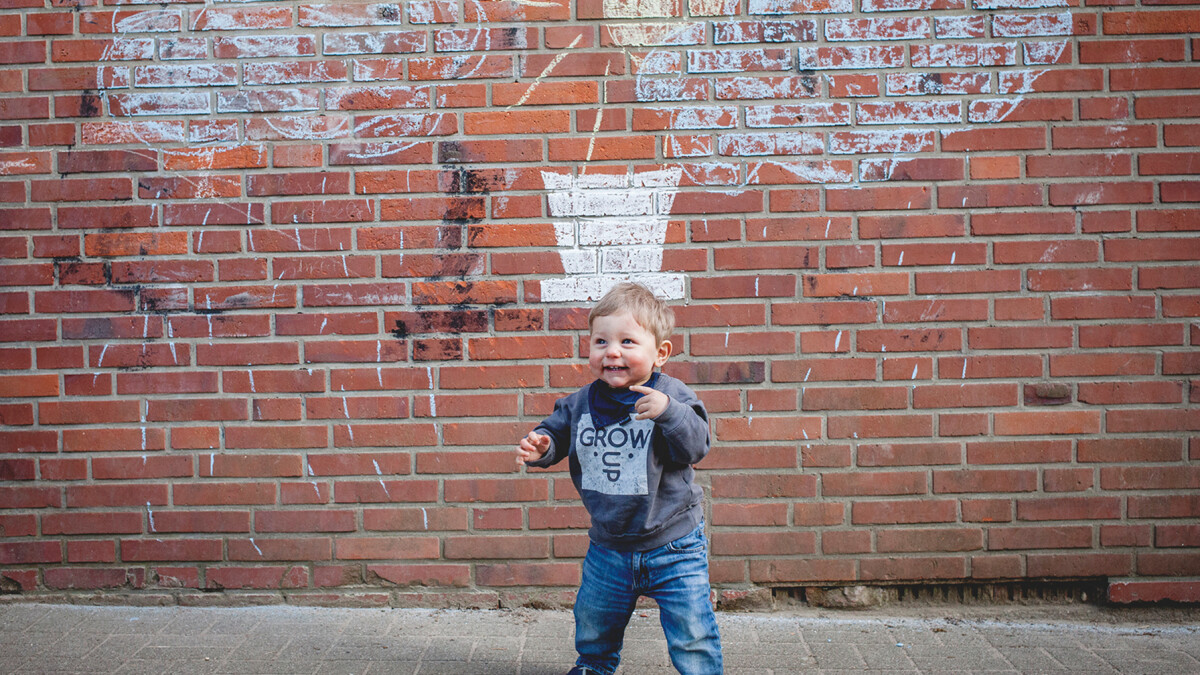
(635, 476)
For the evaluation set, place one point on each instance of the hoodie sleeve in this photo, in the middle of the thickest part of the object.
(558, 427)
(684, 425)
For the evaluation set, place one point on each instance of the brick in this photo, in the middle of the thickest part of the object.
(1039, 537)
(1097, 364)
(304, 521)
(996, 566)
(496, 547)
(873, 483)
(1093, 564)
(984, 480)
(129, 468)
(498, 519)
(750, 515)
(880, 426)
(763, 486)
(765, 457)
(91, 551)
(20, 497)
(136, 550)
(1069, 508)
(131, 439)
(833, 543)
(299, 549)
(792, 570)
(856, 398)
(1130, 450)
(1067, 480)
(764, 543)
(1062, 251)
(764, 257)
(1147, 478)
(1052, 422)
(900, 340)
(913, 568)
(193, 521)
(1152, 591)
(528, 574)
(1018, 452)
(28, 553)
(421, 575)
(274, 577)
(92, 523)
(1134, 23)
(1025, 337)
(922, 540)
(558, 517)
(904, 227)
(977, 140)
(768, 428)
(987, 510)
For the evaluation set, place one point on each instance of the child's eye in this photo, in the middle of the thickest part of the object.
(627, 341)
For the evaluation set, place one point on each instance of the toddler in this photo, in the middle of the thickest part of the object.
(631, 437)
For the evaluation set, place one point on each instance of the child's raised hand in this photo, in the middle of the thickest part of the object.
(650, 406)
(532, 447)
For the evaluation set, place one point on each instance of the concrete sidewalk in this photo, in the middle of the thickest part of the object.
(285, 639)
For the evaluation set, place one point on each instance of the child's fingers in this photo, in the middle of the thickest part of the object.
(535, 444)
(642, 389)
(643, 408)
(651, 405)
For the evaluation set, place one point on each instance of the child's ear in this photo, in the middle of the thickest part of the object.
(664, 353)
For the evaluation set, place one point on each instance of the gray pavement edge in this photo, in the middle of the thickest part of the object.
(46, 638)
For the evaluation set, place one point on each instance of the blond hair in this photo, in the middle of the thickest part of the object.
(646, 308)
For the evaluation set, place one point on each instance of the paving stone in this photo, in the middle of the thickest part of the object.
(282, 639)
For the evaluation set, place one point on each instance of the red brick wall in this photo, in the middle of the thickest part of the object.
(283, 283)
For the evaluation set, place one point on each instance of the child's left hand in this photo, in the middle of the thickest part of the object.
(650, 406)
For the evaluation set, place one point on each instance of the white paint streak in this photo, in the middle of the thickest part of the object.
(432, 400)
(23, 165)
(549, 68)
(618, 221)
(634, 9)
(382, 484)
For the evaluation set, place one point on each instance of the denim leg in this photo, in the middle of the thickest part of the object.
(602, 608)
(680, 585)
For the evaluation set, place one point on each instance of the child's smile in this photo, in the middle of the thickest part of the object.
(622, 353)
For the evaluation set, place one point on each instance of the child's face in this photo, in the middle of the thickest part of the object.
(622, 353)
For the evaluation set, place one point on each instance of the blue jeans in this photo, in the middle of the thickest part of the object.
(676, 577)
